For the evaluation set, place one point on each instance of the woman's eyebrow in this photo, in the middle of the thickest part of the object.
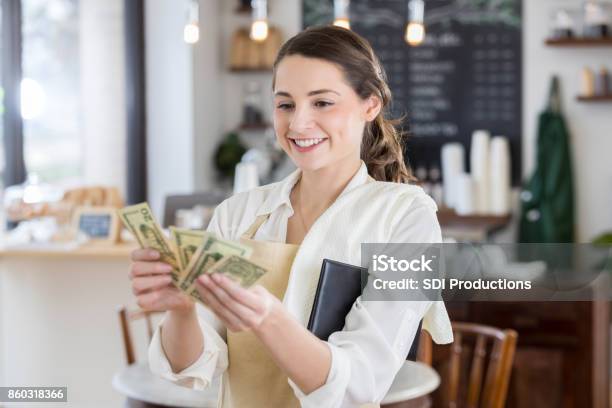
(311, 93)
(320, 91)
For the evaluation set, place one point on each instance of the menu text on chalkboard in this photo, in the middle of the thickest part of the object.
(465, 76)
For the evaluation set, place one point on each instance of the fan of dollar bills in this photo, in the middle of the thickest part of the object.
(191, 253)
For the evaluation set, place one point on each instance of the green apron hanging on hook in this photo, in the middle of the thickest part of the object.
(547, 199)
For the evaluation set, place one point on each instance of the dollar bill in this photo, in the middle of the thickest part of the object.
(187, 243)
(243, 271)
(141, 223)
(195, 295)
(212, 250)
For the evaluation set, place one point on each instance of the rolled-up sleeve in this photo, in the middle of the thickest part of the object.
(212, 362)
(366, 354)
(214, 358)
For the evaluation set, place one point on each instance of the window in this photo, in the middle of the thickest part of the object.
(50, 92)
(2, 162)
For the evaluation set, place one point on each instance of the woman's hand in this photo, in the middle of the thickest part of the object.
(238, 308)
(152, 283)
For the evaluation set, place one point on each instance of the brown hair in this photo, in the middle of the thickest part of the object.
(381, 147)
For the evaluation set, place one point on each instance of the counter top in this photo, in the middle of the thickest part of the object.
(69, 251)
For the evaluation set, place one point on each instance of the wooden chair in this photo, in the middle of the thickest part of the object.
(125, 318)
(496, 374)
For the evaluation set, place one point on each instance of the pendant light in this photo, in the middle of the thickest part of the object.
(259, 26)
(341, 14)
(415, 29)
(191, 32)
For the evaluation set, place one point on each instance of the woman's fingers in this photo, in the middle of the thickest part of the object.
(146, 254)
(144, 263)
(229, 318)
(156, 300)
(149, 268)
(251, 299)
(147, 283)
(249, 317)
(165, 298)
(152, 283)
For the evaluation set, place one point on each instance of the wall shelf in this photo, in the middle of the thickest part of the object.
(448, 217)
(598, 98)
(580, 42)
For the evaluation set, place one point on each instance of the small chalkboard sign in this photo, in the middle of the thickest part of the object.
(98, 223)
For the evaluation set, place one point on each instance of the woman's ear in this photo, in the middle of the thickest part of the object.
(373, 106)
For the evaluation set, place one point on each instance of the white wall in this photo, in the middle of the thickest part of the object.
(102, 83)
(185, 98)
(207, 94)
(169, 96)
(590, 124)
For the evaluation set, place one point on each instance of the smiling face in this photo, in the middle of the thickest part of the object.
(318, 118)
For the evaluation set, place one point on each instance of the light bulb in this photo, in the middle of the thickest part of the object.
(342, 22)
(341, 14)
(415, 30)
(259, 30)
(191, 33)
(415, 33)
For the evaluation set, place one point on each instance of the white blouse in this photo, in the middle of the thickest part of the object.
(377, 336)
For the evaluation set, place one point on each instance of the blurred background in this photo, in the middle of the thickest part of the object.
(104, 103)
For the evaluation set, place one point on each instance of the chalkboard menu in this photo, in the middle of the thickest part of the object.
(465, 76)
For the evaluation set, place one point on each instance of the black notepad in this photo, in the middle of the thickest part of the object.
(340, 284)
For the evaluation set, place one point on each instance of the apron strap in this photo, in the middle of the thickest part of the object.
(250, 233)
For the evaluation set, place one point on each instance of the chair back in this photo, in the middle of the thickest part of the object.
(125, 318)
(489, 369)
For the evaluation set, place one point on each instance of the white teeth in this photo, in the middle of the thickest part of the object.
(307, 142)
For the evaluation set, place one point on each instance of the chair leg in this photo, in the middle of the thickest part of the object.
(127, 338)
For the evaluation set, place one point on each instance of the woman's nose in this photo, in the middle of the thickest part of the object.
(301, 121)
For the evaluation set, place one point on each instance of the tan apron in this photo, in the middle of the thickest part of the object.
(252, 378)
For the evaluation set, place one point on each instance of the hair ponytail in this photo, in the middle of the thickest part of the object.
(382, 147)
(382, 151)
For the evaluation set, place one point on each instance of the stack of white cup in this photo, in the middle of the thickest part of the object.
(486, 190)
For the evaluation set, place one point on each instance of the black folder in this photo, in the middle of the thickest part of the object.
(340, 284)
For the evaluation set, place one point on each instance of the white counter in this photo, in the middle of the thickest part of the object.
(59, 324)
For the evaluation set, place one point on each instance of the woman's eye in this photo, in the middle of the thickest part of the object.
(322, 104)
(284, 106)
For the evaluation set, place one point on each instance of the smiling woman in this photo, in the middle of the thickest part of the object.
(347, 79)
(330, 99)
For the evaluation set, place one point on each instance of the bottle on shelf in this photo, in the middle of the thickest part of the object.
(602, 85)
(252, 101)
(587, 85)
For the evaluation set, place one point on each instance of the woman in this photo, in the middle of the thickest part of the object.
(330, 97)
